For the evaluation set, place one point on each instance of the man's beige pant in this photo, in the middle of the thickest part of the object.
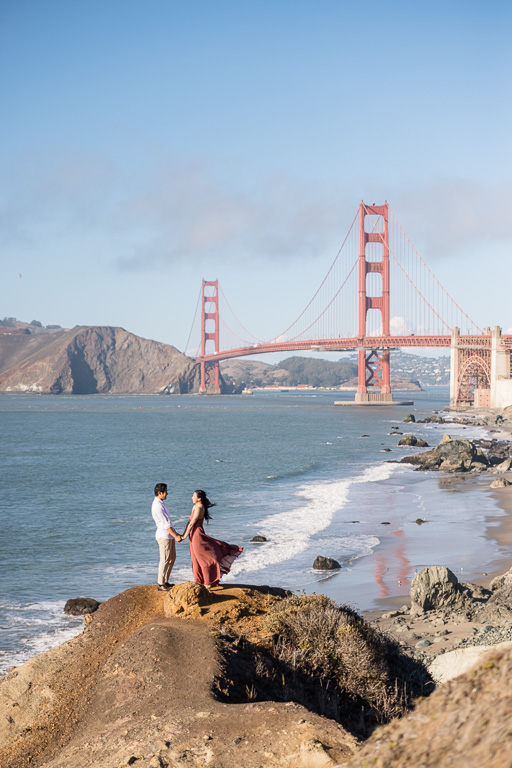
(167, 557)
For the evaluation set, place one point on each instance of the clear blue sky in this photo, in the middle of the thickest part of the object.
(146, 145)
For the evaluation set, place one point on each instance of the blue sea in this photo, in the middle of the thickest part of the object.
(77, 479)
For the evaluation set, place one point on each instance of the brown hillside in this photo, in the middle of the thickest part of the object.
(136, 688)
(466, 723)
(90, 360)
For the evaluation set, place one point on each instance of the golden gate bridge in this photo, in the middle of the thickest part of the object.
(378, 294)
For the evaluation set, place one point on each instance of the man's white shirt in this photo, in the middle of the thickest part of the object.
(161, 517)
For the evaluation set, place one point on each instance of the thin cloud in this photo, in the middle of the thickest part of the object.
(195, 213)
(447, 219)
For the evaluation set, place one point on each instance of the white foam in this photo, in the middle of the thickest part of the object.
(289, 532)
(35, 628)
(40, 643)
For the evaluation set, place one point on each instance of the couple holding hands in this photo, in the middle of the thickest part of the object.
(211, 558)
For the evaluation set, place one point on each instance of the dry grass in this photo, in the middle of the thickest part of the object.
(328, 659)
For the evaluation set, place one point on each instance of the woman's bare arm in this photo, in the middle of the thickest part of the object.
(197, 514)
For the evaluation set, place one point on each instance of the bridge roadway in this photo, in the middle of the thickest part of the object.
(369, 342)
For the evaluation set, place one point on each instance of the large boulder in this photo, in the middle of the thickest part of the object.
(460, 660)
(80, 606)
(438, 589)
(500, 482)
(413, 440)
(500, 581)
(325, 564)
(187, 598)
(428, 460)
(456, 450)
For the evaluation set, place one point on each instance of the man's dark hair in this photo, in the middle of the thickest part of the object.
(160, 488)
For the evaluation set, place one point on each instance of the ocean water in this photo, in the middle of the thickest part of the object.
(76, 486)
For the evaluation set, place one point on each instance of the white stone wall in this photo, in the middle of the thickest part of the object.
(503, 390)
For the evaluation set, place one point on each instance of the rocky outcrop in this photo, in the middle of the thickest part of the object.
(325, 564)
(459, 455)
(465, 722)
(92, 360)
(141, 687)
(438, 589)
(80, 606)
(498, 607)
(413, 441)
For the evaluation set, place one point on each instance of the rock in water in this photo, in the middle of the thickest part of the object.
(259, 538)
(410, 417)
(79, 606)
(413, 440)
(325, 564)
(500, 482)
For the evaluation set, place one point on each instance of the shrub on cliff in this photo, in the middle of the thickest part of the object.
(358, 673)
(330, 660)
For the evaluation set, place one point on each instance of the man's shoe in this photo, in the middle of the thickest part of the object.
(169, 586)
(163, 587)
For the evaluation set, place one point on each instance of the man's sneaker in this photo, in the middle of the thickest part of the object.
(163, 587)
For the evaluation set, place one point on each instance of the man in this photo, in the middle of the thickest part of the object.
(165, 536)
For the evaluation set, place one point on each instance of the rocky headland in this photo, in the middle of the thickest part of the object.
(89, 360)
(239, 676)
(253, 676)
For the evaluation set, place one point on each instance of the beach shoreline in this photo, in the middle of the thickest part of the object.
(498, 528)
(391, 615)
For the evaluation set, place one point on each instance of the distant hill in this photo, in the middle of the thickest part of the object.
(408, 371)
(301, 371)
(90, 360)
(103, 359)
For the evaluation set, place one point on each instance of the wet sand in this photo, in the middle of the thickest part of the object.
(442, 633)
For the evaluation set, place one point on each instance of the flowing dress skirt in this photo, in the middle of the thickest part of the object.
(211, 558)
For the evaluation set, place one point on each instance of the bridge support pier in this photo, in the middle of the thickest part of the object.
(454, 367)
(373, 371)
(501, 385)
(210, 372)
(373, 365)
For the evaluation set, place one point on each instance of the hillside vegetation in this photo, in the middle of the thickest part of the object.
(300, 371)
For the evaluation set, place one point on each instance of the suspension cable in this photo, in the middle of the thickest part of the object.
(328, 305)
(435, 278)
(193, 321)
(238, 321)
(322, 283)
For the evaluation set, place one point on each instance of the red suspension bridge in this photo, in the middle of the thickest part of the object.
(378, 294)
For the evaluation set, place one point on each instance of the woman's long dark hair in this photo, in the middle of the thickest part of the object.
(205, 501)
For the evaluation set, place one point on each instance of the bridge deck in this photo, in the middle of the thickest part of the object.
(370, 342)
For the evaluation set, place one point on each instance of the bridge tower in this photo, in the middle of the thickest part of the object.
(373, 365)
(210, 374)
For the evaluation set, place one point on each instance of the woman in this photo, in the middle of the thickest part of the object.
(211, 558)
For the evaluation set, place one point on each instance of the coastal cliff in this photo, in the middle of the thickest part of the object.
(90, 360)
(250, 676)
(198, 678)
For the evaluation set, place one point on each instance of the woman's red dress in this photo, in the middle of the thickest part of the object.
(211, 558)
